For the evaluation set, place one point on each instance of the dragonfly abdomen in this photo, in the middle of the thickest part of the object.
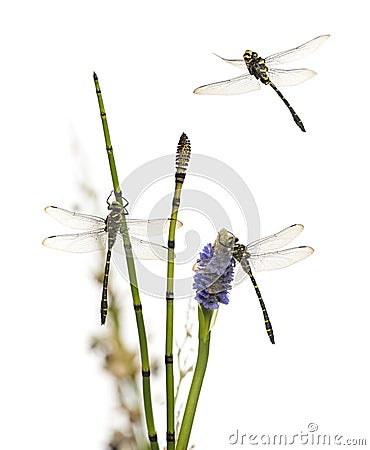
(295, 116)
(104, 300)
(246, 267)
(114, 223)
(268, 325)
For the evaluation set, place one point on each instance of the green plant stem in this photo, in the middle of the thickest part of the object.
(204, 336)
(170, 389)
(133, 279)
(108, 144)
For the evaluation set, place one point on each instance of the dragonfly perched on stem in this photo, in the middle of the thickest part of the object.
(261, 71)
(263, 254)
(100, 234)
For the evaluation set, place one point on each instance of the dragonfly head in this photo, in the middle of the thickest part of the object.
(116, 207)
(249, 55)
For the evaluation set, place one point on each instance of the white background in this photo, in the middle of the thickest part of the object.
(149, 57)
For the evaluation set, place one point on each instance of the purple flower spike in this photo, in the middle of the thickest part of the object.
(212, 283)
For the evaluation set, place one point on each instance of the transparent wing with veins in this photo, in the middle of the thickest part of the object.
(265, 253)
(76, 220)
(248, 83)
(239, 85)
(298, 52)
(279, 258)
(286, 56)
(96, 237)
(275, 241)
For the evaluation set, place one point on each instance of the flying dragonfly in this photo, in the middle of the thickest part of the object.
(261, 71)
(100, 234)
(263, 254)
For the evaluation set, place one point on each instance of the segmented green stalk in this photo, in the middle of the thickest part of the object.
(182, 160)
(133, 280)
(205, 318)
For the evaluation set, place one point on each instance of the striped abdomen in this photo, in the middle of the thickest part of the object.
(104, 300)
(295, 116)
(247, 270)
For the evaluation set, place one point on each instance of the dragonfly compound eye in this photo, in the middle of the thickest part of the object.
(116, 207)
(248, 54)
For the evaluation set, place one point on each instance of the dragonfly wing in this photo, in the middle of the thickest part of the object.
(212, 269)
(76, 220)
(142, 249)
(152, 227)
(215, 265)
(281, 77)
(297, 52)
(235, 62)
(225, 242)
(239, 85)
(77, 243)
(279, 259)
(275, 241)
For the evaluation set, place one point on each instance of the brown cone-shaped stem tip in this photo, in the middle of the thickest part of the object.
(183, 154)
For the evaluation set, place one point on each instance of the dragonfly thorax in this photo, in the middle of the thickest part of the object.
(256, 66)
(114, 220)
(240, 252)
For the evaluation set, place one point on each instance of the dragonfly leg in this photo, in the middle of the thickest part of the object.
(108, 199)
(126, 204)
